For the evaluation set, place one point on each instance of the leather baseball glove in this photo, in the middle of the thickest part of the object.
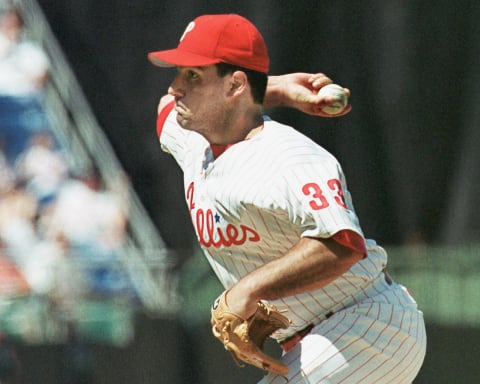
(245, 338)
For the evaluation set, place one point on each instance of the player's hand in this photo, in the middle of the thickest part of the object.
(300, 91)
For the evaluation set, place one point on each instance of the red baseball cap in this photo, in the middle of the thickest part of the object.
(212, 39)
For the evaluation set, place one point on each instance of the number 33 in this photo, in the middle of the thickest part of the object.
(318, 200)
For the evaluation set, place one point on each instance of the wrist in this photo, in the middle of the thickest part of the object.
(274, 95)
(241, 301)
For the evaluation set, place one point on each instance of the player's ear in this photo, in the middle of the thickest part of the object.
(238, 82)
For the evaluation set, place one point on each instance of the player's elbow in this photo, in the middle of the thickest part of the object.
(345, 256)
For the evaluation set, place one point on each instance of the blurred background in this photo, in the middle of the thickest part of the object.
(100, 277)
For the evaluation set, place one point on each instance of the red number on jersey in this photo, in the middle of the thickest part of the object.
(319, 201)
(335, 186)
(313, 190)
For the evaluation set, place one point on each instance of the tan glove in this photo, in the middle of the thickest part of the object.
(244, 338)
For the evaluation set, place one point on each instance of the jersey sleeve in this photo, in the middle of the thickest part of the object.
(351, 240)
(318, 201)
(173, 138)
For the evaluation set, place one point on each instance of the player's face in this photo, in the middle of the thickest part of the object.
(202, 100)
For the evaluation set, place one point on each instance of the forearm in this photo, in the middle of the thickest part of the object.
(301, 91)
(294, 90)
(275, 93)
(311, 264)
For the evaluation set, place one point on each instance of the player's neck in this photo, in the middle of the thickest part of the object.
(239, 126)
(249, 123)
(217, 150)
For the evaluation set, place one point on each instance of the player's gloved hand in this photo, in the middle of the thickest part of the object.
(300, 91)
(244, 338)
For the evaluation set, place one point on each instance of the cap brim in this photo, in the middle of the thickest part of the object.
(176, 57)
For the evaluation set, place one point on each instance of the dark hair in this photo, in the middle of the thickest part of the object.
(257, 80)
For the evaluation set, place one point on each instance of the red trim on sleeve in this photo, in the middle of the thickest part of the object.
(162, 116)
(352, 240)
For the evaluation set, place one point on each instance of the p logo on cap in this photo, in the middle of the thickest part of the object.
(190, 27)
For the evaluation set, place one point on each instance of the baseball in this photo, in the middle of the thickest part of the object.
(337, 93)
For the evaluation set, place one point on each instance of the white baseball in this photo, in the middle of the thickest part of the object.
(336, 92)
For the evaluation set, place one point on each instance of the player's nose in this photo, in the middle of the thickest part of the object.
(175, 89)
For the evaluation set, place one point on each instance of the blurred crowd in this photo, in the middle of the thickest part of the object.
(61, 230)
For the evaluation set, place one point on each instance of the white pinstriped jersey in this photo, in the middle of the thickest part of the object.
(255, 201)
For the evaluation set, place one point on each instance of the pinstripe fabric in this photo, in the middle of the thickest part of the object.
(378, 340)
(252, 204)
